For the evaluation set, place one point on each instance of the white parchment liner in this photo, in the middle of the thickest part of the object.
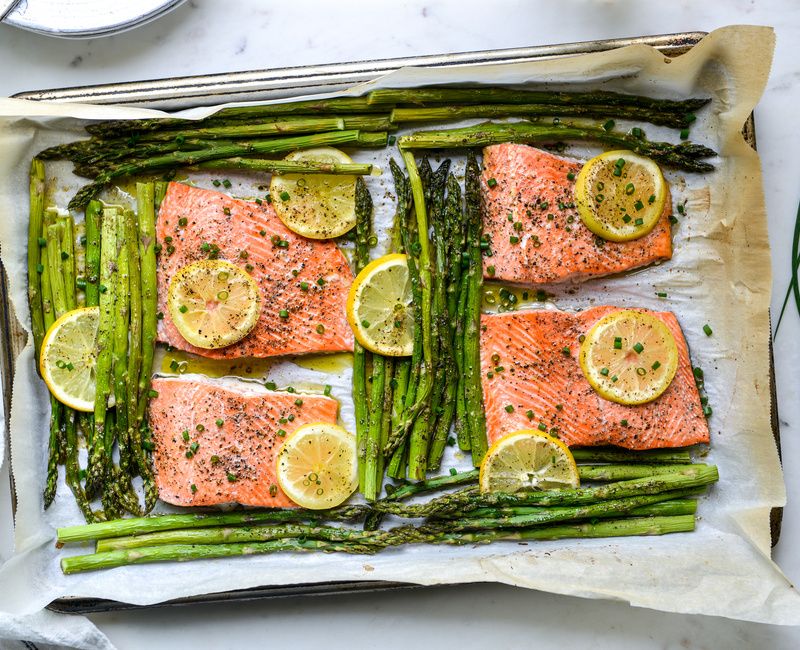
(720, 274)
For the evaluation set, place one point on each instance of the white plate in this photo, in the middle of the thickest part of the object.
(86, 18)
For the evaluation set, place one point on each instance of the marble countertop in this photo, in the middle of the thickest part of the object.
(204, 36)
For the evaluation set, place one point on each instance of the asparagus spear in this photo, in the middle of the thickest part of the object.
(227, 535)
(420, 432)
(240, 131)
(361, 259)
(156, 523)
(683, 156)
(120, 341)
(217, 151)
(93, 214)
(134, 436)
(287, 166)
(461, 422)
(669, 508)
(433, 484)
(147, 255)
(180, 553)
(539, 516)
(35, 243)
(616, 455)
(448, 249)
(627, 471)
(463, 112)
(98, 452)
(373, 437)
(502, 95)
(115, 128)
(473, 389)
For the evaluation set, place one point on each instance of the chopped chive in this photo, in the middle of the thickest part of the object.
(509, 408)
(491, 182)
(298, 402)
(529, 413)
(365, 323)
(638, 205)
(608, 125)
(183, 309)
(200, 428)
(624, 423)
(626, 218)
(327, 390)
(661, 294)
(283, 313)
(570, 176)
(581, 338)
(281, 432)
(284, 195)
(194, 447)
(490, 270)
(638, 222)
(304, 286)
(231, 477)
(152, 393)
(320, 329)
(604, 372)
(185, 435)
(630, 189)
(220, 422)
(617, 342)
(684, 134)
(193, 488)
(214, 459)
(542, 426)
(513, 239)
(270, 385)
(656, 365)
(559, 407)
(273, 490)
(226, 183)
(638, 347)
(565, 349)
(614, 379)
(707, 329)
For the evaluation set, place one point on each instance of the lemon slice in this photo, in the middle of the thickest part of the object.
(629, 357)
(68, 356)
(620, 195)
(528, 460)
(317, 206)
(379, 307)
(318, 466)
(213, 303)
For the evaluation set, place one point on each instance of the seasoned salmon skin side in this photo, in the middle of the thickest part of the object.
(541, 387)
(217, 444)
(306, 279)
(535, 189)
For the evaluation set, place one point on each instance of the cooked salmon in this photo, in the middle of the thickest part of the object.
(216, 443)
(540, 386)
(309, 279)
(534, 188)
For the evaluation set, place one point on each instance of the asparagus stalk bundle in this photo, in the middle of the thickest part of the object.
(647, 507)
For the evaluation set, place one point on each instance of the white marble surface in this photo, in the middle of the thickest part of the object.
(205, 36)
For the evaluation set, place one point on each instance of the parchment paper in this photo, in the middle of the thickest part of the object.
(720, 274)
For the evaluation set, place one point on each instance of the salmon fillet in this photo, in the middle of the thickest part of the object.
(235, 461)
(251, 235)
(530, 187)
(539, 380)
